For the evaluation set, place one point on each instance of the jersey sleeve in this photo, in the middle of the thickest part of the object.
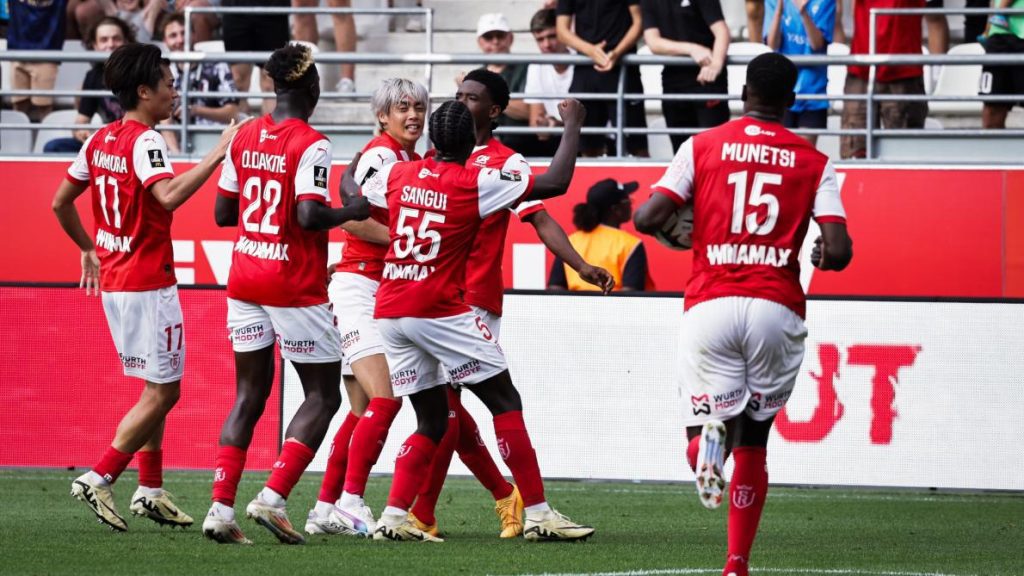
(314, 172)
(227, 185)
(150, 158)
(376, 187)
(372, 161)
(78, 172)
(516, 164)
(828, 206)
(677, 182)
(499, 189)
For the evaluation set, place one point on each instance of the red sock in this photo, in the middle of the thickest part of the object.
(337, 461)
(367, 441)
(430, 491)
(475, 456)
(410, 470)
(151, 468)
(230, 463)
(747, 492)
(517, 451)
(692, 450)
(291, 463)
(112, 464)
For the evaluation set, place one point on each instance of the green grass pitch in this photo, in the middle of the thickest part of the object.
(642, 530)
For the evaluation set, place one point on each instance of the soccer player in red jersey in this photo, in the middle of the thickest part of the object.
(486, 94)
(399, 106)
(273, 187)
(134, 192)
(754, 187)
(435, 208)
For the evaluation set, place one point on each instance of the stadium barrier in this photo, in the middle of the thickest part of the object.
(891, 393)
(429, 58)
(948, 232)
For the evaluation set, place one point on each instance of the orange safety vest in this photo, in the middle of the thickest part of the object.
(604, 246)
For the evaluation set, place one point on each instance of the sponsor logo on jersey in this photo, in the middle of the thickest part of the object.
(415, 272)
(743, 496)
(460, 373)
(482, 160)
(348, 340)
(156, 159)
(109, 162)
(404, 378)
(424, 172)
(297, 346)
(758, 153)
(262, 250)
(721, 254)
(248, 334)
(138, 362)
(701, 405)
(320, 176)
(260, 161)
(265, 135)
(755, 130)
(112, 243)
(108, 137)
(728, 400)
(425, 197)
(510, 176)
(759, 401)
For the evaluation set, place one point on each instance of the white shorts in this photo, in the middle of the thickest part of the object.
(148, 332)
(305, 335)
(417, 347)
(490, 319)
(354, 297)
(738, 355)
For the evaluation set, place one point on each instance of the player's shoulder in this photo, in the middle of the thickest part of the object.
(382, 141)
(493, 155)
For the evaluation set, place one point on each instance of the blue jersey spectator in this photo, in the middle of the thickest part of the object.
(800, 27)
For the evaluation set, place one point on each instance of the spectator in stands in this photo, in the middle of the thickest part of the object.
(254, 33)
(107, 35)
(1005, 35)
(604, 31)
(696, 29)
(35, 25)
(801, 27)
(600, 242)
(755, 20)
(83, 14)
(344, 36)
(895, 35)
(142, 15)
(546, 78)
(203, 77)
(204, 26)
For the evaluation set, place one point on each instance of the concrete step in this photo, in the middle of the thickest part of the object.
(462, 15)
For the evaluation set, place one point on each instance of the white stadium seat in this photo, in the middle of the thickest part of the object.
(958, 81)
(58, 117)
(837, 74)
(71, 74)
(13, 140)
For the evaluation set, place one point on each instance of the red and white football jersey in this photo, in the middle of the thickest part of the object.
(269, 169)
(360, 256)
(435, 211)
(485, 287)
(133, 231)
(754, 187)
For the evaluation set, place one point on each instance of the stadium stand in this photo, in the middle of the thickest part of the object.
(12, 140)
(958, 81)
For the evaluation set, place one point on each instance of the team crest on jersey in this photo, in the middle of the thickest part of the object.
(504, 449)
(320, 176)
(743, 496)
(156, 159)
(510, 176)
(701, 404)
(482, 160)
(403, 451)
(175, 361)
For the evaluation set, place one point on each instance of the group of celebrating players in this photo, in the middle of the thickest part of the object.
(414, 307)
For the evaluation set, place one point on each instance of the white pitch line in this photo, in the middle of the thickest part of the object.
(684, 571)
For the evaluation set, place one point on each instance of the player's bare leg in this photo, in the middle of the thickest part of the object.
(303, 437)
(150, 499)
(368, 440)
(319, 521)
(344, 41)
(254, 378)
(134, 430)
(500, 396)
(412, 465)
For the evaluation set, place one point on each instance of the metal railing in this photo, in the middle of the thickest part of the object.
(429, 59)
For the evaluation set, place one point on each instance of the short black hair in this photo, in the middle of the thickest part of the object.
(496, 86)
(771, 78)
(542, 20)
(291, 67)
(452, 131)
(166, 21)
(131, 66)
(126, 30)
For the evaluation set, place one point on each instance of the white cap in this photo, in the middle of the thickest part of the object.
(492, 22)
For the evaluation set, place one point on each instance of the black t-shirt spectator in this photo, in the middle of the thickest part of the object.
(688, 21)
(107, 107)
(598, 20)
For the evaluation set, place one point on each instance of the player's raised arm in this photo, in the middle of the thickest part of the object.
(173, 192)
(556, 180)
(554, 237)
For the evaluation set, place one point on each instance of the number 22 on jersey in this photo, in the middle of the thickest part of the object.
(261, 195)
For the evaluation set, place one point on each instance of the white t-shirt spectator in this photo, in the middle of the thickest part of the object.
(544, 79)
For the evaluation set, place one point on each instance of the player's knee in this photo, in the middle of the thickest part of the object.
(433, 428)
(249, 407)
(330, 401)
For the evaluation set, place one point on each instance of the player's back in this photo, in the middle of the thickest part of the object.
(755, 186)
(277, 165)
(133, 231)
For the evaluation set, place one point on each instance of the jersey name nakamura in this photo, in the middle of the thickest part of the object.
(109, 162)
